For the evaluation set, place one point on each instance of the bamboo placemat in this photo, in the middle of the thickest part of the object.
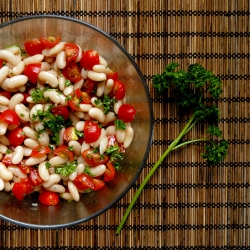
(185, 204)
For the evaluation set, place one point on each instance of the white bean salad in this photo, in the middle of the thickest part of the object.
(64, 121)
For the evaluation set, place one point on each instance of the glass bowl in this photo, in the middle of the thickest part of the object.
(29, 213)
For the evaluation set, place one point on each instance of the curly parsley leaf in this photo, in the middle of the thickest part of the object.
(66, 169)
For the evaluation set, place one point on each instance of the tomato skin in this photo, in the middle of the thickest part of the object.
(72, 72)
(98, 184)
(10, 117)
(119, 90)
(89, 86)
(61, 110)
(83, 182)
(78, 97)
(34, 46)
(72, 51)
(126, 112)
(1, 63)
(91, 131)
(112, 141)
(113, 75)
(64, 152)
(5, 93)
(16, 137)
(20, 189)
(25, 95)
(109, 173)
(40, 150)
(93, 158)
(35, 177)
(23, 167)
(89, 59)
(31, 71)
(70, 134)
(7, 159)
(50, 41)
(49, 198)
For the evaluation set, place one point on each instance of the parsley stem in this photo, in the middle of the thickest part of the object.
(151, 172)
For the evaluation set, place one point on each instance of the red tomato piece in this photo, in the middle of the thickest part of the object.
(93, 157)
(64, 152)
(113, 75)
(7, 159)
(5, 93)
(78, 97)
(49, 198)
(50, 41)
(91, 131)
(70, 134)
(10, 117)
(83, 182)
(40, 150)
(109, 173)
(23, 167)
(72, 72)
(98, 184)
(25, 95)
(61, 110)
(20, 189)
(31, 71)
(34, 46)
(71, 50)
(89, 86)
(1, 63)
(126, 112)
(16, 137)
(112, 141)
(35, 177)
(89, 59)
(119, 90)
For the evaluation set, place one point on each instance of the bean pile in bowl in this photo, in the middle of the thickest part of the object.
(75, 121)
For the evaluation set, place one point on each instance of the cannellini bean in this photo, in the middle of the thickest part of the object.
(45, 66)
(4, 100)
(73, 175)
(84, 73)
(35, 160)
(53, 179)
(109, 117)
(14, 49)
(1, 184)
(31, 143)
(17, 155)
(74, 119)
(97, 142)
(45, 52)
(43, 139)
(16, 81)
(120, 135)
(66, 196)
(61, 60)
(73, 191)
(78, 85)
(109, 86)
(100, 88)
(3, 127)
(99, 68)
(29, 99)
(80, 126)
(3, 108)
(80, 115)
(80, 160)
(18, 69)
(98, 170)
(5, 174)
(8, 56)
(96, 76)
(31, 133)
(57, 188)
(79, 56)
(84, 146)
(33, 59)
(4, 140)
(61, 133)
(7, 186)
(68, 90)
(117, 105)
(57, 160)
(22, 112)
(15, 99)
(61, 82)
(4, 71)
(103, 61)
(103, 145)
(39, 126)
(97, 114)
(85, 107)
(76, 147)
(34, 110)
(49, 78)
(80, 168)
(3, 148)
(5, 87)
(53, 95)
(17, 172)
(26, 151)
(43, 171)
(56, 49)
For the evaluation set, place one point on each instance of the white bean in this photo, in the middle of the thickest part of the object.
(49, 78)
(45, 52)
(4, 100)
(15, 99)
(27, 151)
(33, 59)
(53, 95)
(4, 71)
(43, 171)
(1, 184)
(4, 140)
(109, 86)
(35, 160)
(3, 108)
(61, 82)
(66, 196)
(74, 119)
(79, 56)
(5, 174)
(56, 49)
(78, 85)
(14, 49)
(17, 155)
(100, 88)
(3, 127)
(80, 115)
(98, 170)
(31, 143)
(84, 73)
(7, 186)
(5, 87)
(76, 147)
(57, 160)
(72, 176)
(61, 60)
(44, 66)
(3, 148)
(61, 133)
(85, 107)
(80, 168)
(44, 139)
(63, 100)
(17, 172)
(109, 117)
(18, 69)
(97, 142)
(34, 110)
(16, 81)
(97, 114)
(120, 135)
(99, 68)
(103, 145)
(103, 61)
(73, 191)
(96, 76)
(22, 112)
(117, 105)
(8, 56)
(39, 126)
(31, 133)
(80, 126)
(68, 90)
(84, 146)
(57, 188)
(53, 179)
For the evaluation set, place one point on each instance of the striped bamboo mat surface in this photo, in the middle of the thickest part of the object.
(185, 204)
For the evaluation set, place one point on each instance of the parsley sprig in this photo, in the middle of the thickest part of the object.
(115, 155)
(190, 88)
(66, 169)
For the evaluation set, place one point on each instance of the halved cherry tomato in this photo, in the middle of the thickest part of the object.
(20, 189)
(71, 50)
(119, 90)
(109, 173)
(70, 134)
(1, 63)
(126, 112)
(31, 71)
(40, 150)
(34, 46)
(93, 157)
(61, 110)
(23, 167)
(72, 72)
(89, 86)
(83, 182)
(10, 117)
(50, 41)
(89, 59)
(113, 75)
(91, 131)
(64, 152)
(35, 177)
(98, 184)
(5, 93)
(78, 97)
(7, 159)
(49, 198)
(16, 137)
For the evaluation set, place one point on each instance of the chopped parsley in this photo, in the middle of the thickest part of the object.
(119, 124)
(107, 103)
(37, 95)
(66, 169)
(115, 155)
